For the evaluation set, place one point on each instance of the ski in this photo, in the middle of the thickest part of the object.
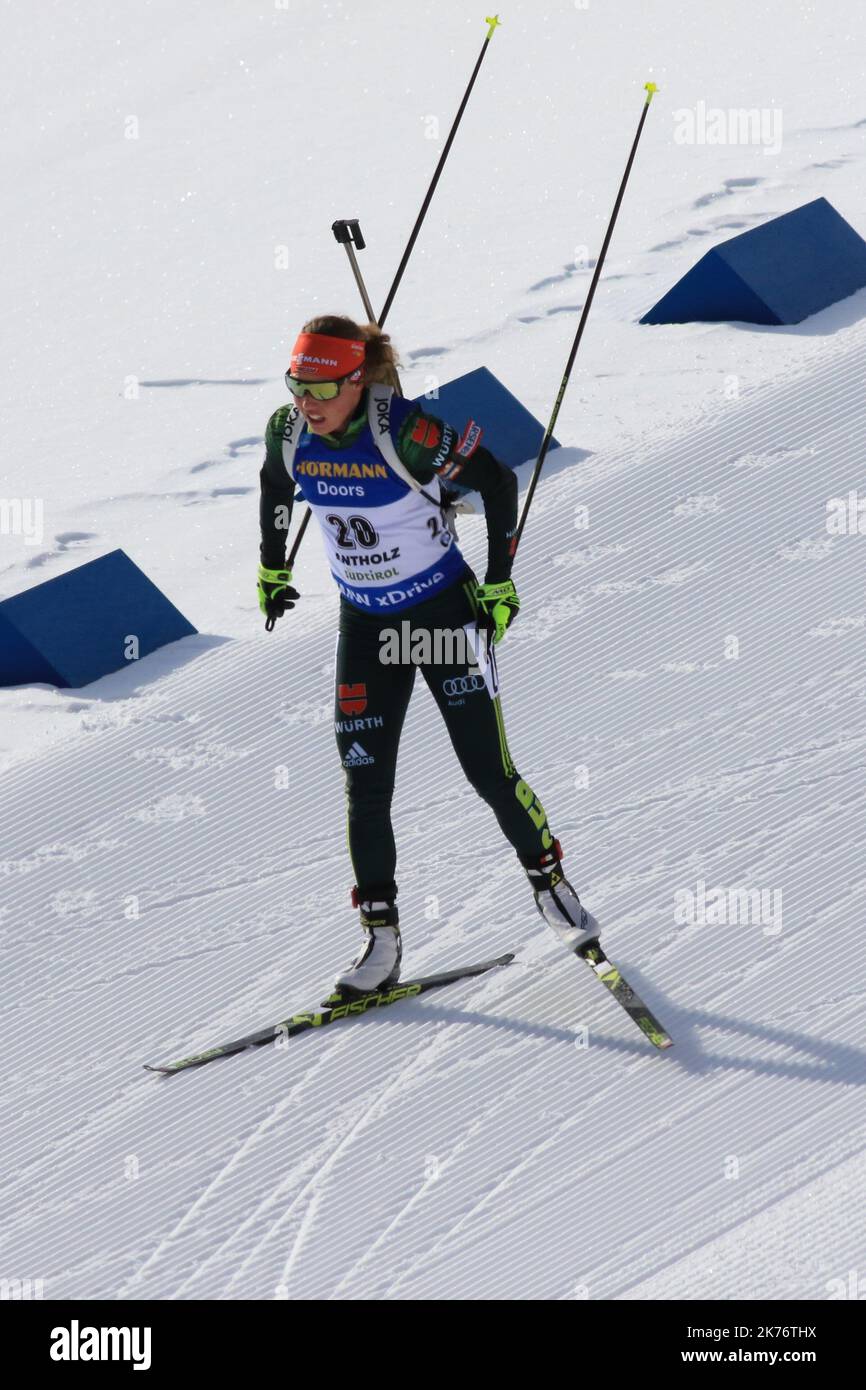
(623, 993)
(300, 1023)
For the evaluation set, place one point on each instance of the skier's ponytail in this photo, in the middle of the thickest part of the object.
(380, 356)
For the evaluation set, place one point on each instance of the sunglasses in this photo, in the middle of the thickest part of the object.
(319, 390)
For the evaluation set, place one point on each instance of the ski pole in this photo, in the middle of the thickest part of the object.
(348, 233)
(493, 21)
(651, 89)
(271, 623)
(298, 538)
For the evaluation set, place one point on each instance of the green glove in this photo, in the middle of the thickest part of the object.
(275, 593)
(498, 606)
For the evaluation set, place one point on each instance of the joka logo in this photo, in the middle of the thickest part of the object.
(353, 698)
(75, 1343)
(357, 757)
(463, 685)
(383, 416)
(426, 433)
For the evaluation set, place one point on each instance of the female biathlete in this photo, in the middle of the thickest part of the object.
(380, 475)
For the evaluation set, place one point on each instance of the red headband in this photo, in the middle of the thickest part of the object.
(317, 355)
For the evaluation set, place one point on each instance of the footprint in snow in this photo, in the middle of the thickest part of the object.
(64, 540)
(67, 538)
(199, 754)
(207, 381)
(571, 559)
(729, 186)
(811, 548)
(75, 902)
(420, 353)
(236, 447)
(170, 809)
(772, 458)
(568, 270)
(837, 627)
(701, 504)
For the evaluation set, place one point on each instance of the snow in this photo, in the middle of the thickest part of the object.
(684, 687)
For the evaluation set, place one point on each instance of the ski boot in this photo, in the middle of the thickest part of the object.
(378, 964)
(557, 901)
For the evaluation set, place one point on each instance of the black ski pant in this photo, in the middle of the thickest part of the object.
(371, 699)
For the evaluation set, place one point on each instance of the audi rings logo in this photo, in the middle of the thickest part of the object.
(463, 685)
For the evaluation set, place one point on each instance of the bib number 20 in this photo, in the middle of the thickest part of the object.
(354, 530)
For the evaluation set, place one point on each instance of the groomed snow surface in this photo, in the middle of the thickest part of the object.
(684, 687)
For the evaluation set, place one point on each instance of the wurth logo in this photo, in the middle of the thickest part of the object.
(352, 698)
(426, 433)
(357, 757)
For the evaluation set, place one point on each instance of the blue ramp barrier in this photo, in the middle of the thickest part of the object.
(510, 431)
(778, 273)
(71, 630)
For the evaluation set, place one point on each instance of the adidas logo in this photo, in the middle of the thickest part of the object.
(357, 757)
